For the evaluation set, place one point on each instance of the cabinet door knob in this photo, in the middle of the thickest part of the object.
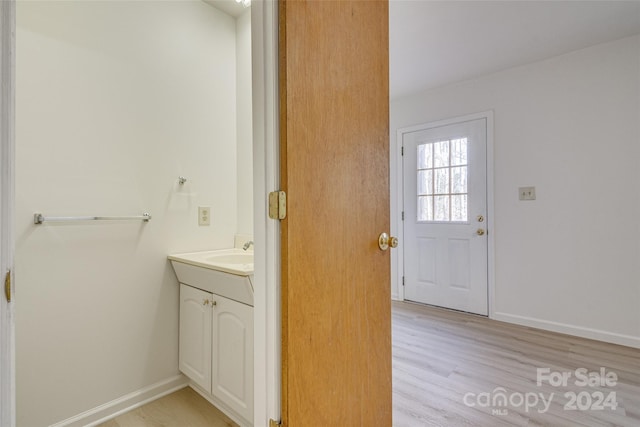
(213, 302)
(205, 302)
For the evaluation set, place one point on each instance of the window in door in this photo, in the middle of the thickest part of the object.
(442, 181)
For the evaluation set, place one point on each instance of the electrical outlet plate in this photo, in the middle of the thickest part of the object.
(527, 193)
(204, 215)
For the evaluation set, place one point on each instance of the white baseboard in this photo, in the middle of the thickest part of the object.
(123, 404)
(579, 331)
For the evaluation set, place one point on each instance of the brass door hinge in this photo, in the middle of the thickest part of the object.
(274, 423)
(277, 205)
(7, 285)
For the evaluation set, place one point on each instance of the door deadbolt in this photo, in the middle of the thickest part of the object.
(384, 241)
(480, 218)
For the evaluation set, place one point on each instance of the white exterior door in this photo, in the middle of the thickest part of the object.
(445, 215)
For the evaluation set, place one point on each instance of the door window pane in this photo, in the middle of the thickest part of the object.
(425, 156)
(459, 207)
(441, 154)
(459, 152)
(425, 208)
(425, 182)
(441, 208)
(442, 181)
(459, 180)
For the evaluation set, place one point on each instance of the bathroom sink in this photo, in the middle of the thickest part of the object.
(234, 261)
(227, 272)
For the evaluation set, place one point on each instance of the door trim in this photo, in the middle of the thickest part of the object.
(266, 176)
(397, 203)
(264, 25)
(7, 164)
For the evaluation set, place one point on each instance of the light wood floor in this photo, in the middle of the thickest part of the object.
(183, 408)
(439, 356)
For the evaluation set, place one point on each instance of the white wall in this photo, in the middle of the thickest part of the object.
(115, 100)
(245, 126)
(570, 125)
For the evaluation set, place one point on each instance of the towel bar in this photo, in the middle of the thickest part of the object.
(38, 218)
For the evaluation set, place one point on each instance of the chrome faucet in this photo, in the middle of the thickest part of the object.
(246, 245)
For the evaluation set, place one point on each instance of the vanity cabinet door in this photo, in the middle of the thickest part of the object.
(195, 335)
(232, 362)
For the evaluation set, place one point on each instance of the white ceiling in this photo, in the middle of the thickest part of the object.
(436, 43)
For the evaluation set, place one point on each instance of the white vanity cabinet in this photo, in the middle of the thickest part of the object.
(216, 349)
(194, 358)
(232, 355)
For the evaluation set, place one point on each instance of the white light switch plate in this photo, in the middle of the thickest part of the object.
(527, 193)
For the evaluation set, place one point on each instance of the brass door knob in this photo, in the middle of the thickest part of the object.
(384, 241)
(480, 231)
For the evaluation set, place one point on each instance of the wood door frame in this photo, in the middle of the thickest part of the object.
(7, 245)
(397, 203)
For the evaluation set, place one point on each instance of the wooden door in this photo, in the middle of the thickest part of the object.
(336, 308)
